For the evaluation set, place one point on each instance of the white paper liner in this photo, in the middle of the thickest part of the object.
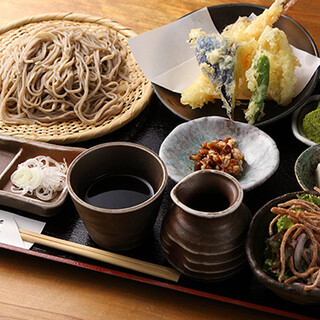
(167, 59)
(10, 224)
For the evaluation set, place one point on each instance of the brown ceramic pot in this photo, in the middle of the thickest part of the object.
(125, 228)
(204, 231)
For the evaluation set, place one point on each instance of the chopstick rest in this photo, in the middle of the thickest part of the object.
(101, 255)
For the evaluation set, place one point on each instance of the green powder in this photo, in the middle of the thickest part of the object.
(311, 125)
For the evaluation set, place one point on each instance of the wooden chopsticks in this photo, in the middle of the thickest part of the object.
(101, 255)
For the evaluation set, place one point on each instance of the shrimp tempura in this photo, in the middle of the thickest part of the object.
(253, 28)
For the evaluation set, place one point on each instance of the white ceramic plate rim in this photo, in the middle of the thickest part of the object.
(247, 186)
(295, 129)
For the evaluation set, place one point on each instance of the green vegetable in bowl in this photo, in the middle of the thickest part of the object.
(311, 125)
(284, 223)
(310, 198)
(292, 250)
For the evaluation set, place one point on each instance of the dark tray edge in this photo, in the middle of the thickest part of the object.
(155, 282)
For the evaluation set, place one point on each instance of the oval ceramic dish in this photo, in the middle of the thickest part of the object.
(260, 151)
(14, 151)
(305, 167)
(223, 15)
(255, 245)
(297, 119)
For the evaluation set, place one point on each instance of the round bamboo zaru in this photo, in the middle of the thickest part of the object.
(72, 131)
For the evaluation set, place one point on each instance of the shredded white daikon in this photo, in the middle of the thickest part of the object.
(41, 176)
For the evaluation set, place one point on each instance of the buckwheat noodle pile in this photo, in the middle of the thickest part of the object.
(61, 72)
(306, 220)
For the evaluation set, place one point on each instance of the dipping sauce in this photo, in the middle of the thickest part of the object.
(118, 191)
(209, 201)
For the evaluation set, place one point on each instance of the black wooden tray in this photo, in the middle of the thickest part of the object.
(149, 129)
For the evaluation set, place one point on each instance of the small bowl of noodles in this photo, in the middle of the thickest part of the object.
(282, 246)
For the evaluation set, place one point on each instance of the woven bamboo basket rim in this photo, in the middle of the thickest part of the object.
(72, 131)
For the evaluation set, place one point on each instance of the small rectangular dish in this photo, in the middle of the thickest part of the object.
(13, 151)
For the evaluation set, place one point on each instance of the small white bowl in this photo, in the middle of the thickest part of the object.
(297, 118)
(260, 151)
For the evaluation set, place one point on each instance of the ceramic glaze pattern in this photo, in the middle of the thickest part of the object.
(305, 167)
(261, 152)
(121, 228)
(206, 245)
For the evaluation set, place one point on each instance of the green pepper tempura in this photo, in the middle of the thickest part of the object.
(261, 67)
(292, 251)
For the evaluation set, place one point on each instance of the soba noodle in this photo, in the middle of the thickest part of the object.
(305, 217)
(61, 71)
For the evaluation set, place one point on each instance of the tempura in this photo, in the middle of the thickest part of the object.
(253, 38)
